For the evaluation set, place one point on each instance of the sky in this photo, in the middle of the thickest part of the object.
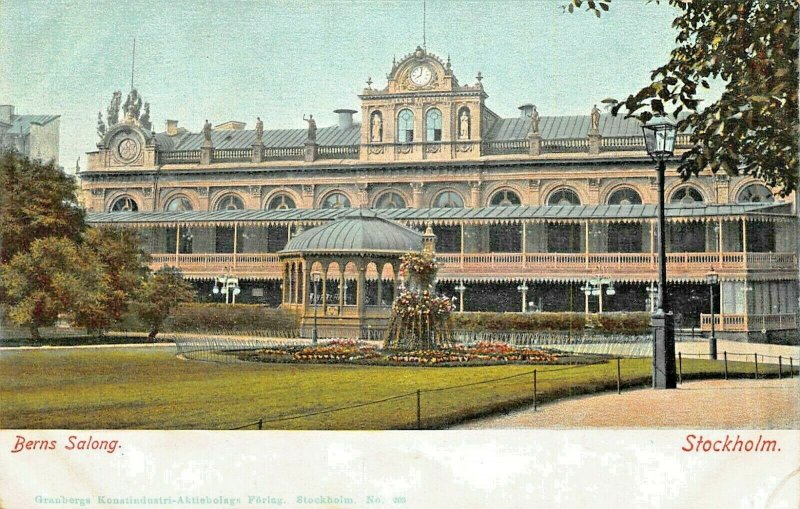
(234, 60)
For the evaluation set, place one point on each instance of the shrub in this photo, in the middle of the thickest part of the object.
(218, 318)
(607, 323)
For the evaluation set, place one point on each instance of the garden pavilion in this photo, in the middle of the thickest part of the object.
(346, 273)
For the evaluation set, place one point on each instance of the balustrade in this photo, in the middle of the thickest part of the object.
(745, 323)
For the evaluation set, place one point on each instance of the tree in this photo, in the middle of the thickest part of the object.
(36, 201)
(123, 270)
(53, 276)
(751, 46)
(160, 295)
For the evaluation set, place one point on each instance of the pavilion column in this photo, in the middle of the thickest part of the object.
(524, 244)
(744, 238)
(586, 300)
(396, 282)
(288, 285)
(462, 245)
(720, 238)
(324, 290)
(380, 287)
(343, 267)
(360, 290)
(586, 242)
(296, 287)
(235, 241)
(177, 245)
(652, 243)
(306, 281)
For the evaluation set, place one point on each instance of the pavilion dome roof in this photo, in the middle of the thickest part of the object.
(360, 231)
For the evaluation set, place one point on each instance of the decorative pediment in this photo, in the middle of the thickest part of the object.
(420, 71)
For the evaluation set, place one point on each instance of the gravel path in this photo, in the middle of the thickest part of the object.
(709, 404)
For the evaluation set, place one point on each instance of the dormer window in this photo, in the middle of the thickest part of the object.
(433, 125)
(405, 126)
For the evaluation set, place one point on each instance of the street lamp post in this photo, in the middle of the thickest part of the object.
(315, 277)
(659, 137)
(594, 287)
(712, 278)
(460, 289)
(523, 289)
(229, 285)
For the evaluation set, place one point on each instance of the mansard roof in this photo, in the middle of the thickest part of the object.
(21, 124)
(552, 213)
(273, 138)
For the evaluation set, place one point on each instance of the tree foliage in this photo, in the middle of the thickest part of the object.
(53, 276)
(123, 270)
(751, 46)
(160, 295)
(36, 201)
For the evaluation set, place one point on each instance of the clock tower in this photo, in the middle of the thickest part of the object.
(423, 113)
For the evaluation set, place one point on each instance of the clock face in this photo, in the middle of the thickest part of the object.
(421, 75)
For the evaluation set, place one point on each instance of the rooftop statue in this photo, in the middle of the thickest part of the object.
(101, 126)
(259, 130)
(133, 105)
(207, 132)
(112, 117)
(312, 128)
(595, 118)
(534, 121)
(144, 120)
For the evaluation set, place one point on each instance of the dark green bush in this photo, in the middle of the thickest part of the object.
(607, 323)
(218, 318)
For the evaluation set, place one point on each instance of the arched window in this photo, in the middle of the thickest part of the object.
(686, 195)
(625, 196)
(505, 198)
(564, 197)
(433, 125)
(125, 204)
(449, 200)
(755, 193)
(376, 127)
(464, 123)
(390, 200)
(405, 126)
(336, 201)
(281, 202)
(179, 204)
(230, 202)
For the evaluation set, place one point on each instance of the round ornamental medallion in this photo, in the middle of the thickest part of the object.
(127, 150)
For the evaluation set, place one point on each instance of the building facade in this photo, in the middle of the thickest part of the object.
(555, 202)
(35, 136)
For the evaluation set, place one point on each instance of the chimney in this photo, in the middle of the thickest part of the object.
(345, 118)
(172, 127)
(526, 110)
(6, 113)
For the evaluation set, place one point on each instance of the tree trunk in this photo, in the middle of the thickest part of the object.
(35, 333)
(152, 335)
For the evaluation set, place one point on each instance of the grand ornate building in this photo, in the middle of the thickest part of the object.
(529, 212)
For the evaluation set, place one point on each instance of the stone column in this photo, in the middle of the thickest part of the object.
(475, 193)
(361, 285)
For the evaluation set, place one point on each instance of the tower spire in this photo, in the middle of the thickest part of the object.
(133, 61)
(424, 24)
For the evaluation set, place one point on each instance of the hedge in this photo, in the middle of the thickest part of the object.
(217, 318)
(606, 323)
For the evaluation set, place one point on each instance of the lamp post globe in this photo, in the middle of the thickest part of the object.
(659, 137)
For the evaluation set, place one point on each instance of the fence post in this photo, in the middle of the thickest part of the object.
(419, 411)
(619, 378)
(261, 423)
(680, 368)
(780, 367)
(725, 353)
(756, 357)
(534, 390)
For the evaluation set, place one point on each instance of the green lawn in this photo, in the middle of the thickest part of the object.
(149, 388)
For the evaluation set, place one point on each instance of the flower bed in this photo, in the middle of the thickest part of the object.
(338, 350)
(482, 353)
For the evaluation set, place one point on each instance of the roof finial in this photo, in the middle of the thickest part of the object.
(369, 82)
(479, 77)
